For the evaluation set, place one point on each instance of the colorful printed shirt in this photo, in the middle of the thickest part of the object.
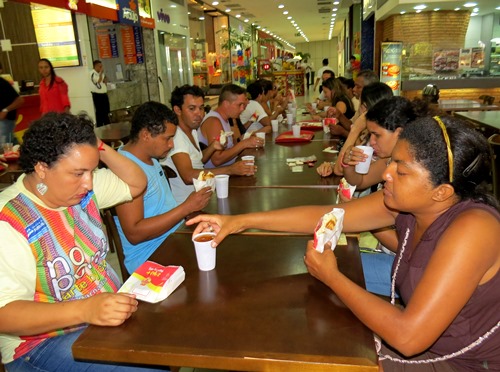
(54, 255)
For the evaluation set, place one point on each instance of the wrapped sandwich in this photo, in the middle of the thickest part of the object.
(223, 137)
(345, 189)
(205, 179)
(329, 229)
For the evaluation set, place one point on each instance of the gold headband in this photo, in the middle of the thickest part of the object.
(448, 146)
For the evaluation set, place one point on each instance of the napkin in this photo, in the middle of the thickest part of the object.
(205, 179)
(329, 229)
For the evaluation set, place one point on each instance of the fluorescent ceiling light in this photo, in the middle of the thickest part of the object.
(470, 5)
(420, 7)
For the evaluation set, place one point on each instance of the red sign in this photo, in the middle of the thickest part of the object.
(128, 44)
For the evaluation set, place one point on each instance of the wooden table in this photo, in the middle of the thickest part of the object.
(259, 310)
(489, 119)
(114, 132)
(452, 105)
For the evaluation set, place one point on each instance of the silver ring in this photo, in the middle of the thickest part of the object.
(210, 228)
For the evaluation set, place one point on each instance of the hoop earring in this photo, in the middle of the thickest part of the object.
(41, 188)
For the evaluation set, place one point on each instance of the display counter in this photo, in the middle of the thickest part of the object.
(458, 88)
(289, 79)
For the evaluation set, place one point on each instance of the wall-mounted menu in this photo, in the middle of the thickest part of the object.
(55, 35)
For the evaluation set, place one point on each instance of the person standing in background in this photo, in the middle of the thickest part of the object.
(320, 73)
(349, 67)
(99, 91)
(9, 102)
(53, 90)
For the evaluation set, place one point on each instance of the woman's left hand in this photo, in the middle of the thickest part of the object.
(354, 156)
(320, 265)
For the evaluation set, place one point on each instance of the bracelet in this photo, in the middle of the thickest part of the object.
(344, 165)
(101, 147)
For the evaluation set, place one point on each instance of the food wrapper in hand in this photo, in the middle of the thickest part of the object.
(205, 179)
(329, 229)
(223, 137)
(345, 189)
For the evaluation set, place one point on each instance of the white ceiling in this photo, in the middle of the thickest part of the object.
(314, 16)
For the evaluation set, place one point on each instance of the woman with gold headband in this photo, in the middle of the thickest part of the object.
(446, 270)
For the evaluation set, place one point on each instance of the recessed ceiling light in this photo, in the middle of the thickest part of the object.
(436, 9)
(470, 5)
(215, 3)
(497, 8)
(475, 10)
(289, 17)
(418, 11)
(259, 27)
(281, 6)
(334, 9)
(247, 20)
(201, 18)
(285, 12)
(457, 9)
(420, 7)
(227, 10)
(402, 12)
(173, 6)
(336, 2)
(238, 15)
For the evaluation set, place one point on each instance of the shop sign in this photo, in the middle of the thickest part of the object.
(132, 45)
(128, 12)
(163, 17)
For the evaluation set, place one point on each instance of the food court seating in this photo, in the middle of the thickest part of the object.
(494, 142)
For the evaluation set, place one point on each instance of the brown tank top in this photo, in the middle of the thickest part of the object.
(481, 312)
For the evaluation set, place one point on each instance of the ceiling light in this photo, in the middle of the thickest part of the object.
(336, 2)
(227, 10)
(238, 15)
(436, 9)
(402, 12)
(420, 7)
(473, 14)
(470, 5)
(475, 10)
(497, 8)
(334, 9)
(246, 20)
(215, 3)
(173, 6)
(418, 11)
(258, 27)
(281, 6)
(201, 18)
(289, 17)
(457, 9)
(285, 12)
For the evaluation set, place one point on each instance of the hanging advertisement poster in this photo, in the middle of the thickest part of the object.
(477, 58)
(391, 65)
(446, 60)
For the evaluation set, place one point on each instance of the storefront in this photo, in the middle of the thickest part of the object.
(172, 49)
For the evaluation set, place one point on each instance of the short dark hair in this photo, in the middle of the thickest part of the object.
(352, 57)
(349, 83)
(255, 89)
(52, 136)
(267, 85)
(368, 76)
(177, 98)
(332, 74)
(325, 62)
(373, 93)
(152, 117)
(471, 155)
(229, 92)
(96, 62)
(392, 113)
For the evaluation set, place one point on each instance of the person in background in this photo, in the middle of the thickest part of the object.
(350, 67)
(99, 92)
(320, 73)
(447, 267)
(273, 103)
(10, 101)
(349, 86)
(254, 118)
(145, 222)
(53, 271)
(232, 102)
(338, 97)
(53, 90)
(186, 158)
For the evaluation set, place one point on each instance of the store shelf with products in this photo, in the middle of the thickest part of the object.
(495, 64)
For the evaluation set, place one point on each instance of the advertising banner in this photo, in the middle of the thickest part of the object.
(391, 65)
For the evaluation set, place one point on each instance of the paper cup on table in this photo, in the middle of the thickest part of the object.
(261, 135)
(314, 105)
(205, 254)
(275, 125)
(248, 159)
(290, 106)
(222, 185)
(362, 168)
(296, 130)
(289, 119)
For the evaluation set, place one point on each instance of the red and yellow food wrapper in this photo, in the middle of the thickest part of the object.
(329, 229)
(345, 189)
(205, 179)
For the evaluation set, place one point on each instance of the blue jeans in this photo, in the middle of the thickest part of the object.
(54, 354)
(377, 270)
(7, 131)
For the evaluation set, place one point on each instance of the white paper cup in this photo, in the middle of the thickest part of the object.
(290, 106)
(261, 135)
(294, 111)
(205, 254)
(325, 109)
(326, 127)
(314, 105)
(248, 159)
(289, 119)
(362, 168)
(222, 185)
(296, 130)
(275, 125)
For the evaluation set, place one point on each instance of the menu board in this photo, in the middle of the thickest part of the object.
(391, 65)
(55, 35)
